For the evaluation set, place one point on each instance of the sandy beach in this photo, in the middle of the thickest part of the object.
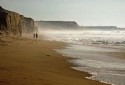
(29, 62)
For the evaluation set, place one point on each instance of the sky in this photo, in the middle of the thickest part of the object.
(84, 12)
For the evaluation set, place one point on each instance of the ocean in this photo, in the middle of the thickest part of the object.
(91, 52)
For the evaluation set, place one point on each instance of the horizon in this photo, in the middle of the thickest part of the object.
(84, 12)
(82, 25)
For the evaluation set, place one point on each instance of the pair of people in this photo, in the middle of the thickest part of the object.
(35, 35)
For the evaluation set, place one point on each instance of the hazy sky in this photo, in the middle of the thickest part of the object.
(85, 12)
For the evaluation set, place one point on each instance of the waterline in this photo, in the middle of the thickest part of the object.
(103, 68)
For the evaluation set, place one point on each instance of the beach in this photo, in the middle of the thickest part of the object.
(29, 62)
(100, 54)
(49, 43)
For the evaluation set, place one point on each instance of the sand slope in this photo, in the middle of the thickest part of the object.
(30, 62)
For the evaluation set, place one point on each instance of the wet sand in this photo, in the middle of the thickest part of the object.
(29, 62)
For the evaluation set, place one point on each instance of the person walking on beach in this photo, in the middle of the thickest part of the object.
(36, 35)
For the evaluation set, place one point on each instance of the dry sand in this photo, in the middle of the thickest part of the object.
(29, 62)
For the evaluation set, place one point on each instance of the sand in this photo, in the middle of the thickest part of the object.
(29, 62)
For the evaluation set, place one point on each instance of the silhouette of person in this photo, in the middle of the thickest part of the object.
(36, 35)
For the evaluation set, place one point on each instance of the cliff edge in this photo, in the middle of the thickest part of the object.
(14, 23)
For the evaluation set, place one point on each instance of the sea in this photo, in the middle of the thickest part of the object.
(91, 52)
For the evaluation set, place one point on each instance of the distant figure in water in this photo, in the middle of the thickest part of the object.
(36, 35)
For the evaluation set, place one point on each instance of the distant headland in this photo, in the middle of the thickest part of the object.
(70, 25)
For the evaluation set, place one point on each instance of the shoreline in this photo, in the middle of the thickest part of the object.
(29, 62)
(72, 49)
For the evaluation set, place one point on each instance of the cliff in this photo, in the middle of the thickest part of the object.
(14, 23)
(99, 27)
(56, 25)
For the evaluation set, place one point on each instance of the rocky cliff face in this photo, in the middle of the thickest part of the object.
(14, 23)
(28, 25)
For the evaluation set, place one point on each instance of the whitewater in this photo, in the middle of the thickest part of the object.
(91, 52)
